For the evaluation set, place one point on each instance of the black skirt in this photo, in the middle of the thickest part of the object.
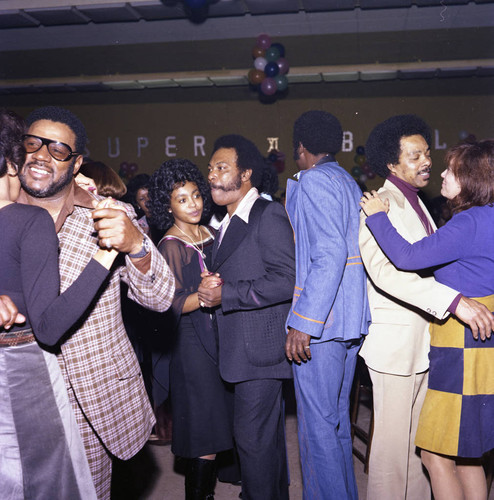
(202, 404)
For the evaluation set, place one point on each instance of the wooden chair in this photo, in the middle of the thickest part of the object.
(361, 395)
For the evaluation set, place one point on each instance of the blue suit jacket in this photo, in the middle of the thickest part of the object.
(330, 298)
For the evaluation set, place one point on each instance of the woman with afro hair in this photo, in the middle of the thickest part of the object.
(179, 200)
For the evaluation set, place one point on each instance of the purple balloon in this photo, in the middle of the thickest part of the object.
(263, 41)
(283, 65)
(268, 86)
(271, 69)
(260, 63)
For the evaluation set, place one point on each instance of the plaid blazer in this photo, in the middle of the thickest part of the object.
(97, 358)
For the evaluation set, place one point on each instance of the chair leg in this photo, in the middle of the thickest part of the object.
(361, 387)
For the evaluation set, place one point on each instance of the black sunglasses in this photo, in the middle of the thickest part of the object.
(58, 150)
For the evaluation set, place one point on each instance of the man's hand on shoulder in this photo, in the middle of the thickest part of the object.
(476, 316)
(297, 346)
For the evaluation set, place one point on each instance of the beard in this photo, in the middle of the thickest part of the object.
(53, 188)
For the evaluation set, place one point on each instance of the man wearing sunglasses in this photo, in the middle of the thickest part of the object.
(98, 363)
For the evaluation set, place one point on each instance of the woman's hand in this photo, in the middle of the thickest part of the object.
(371, 203)
(209, 291)
(9, 313)
(86, 183)
(210, 280)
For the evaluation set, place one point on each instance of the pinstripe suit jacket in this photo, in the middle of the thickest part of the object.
(97, 358)
(330, 299)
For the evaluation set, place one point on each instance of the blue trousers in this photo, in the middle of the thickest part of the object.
(322, 389)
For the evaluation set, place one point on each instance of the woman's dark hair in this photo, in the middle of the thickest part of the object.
(172, 174)
(138, 182)
(473, 166)
(270, 183)
(12, 128)
(61, 115)
(248, 156)
(383, 145)
(106, 179)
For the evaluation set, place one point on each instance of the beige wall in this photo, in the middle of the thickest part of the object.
(155, 121)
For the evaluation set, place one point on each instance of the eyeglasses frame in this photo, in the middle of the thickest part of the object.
(46, 142)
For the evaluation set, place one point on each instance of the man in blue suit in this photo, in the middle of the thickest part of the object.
(329, 314)
(255, 256)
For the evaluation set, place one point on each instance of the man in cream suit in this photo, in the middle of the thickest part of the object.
(402, 303)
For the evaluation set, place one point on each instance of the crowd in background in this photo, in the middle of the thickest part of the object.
(172, 309)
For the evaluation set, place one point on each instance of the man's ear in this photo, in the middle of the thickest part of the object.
(391, 168)
(246, 175)
(77, 164)
(12, 169)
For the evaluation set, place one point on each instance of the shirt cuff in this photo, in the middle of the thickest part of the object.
(143, 264)
(454, 304)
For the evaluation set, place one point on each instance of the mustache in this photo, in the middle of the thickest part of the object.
(222, 188)
(34, 163)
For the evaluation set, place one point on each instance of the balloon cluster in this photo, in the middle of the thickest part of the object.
(362, 171)
(270, 66)
(128, 170)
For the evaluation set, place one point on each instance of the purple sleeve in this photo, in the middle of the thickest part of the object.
(444, 246)
(174, 254)
(452, 307)
(50, 314)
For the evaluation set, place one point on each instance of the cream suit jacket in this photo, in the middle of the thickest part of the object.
(401, 302)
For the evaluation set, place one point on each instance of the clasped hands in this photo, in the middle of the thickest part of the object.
(115, 229)
(209, 291)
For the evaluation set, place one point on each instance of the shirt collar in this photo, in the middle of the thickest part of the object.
(406, 188)
(76, 197)
(244, 207)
